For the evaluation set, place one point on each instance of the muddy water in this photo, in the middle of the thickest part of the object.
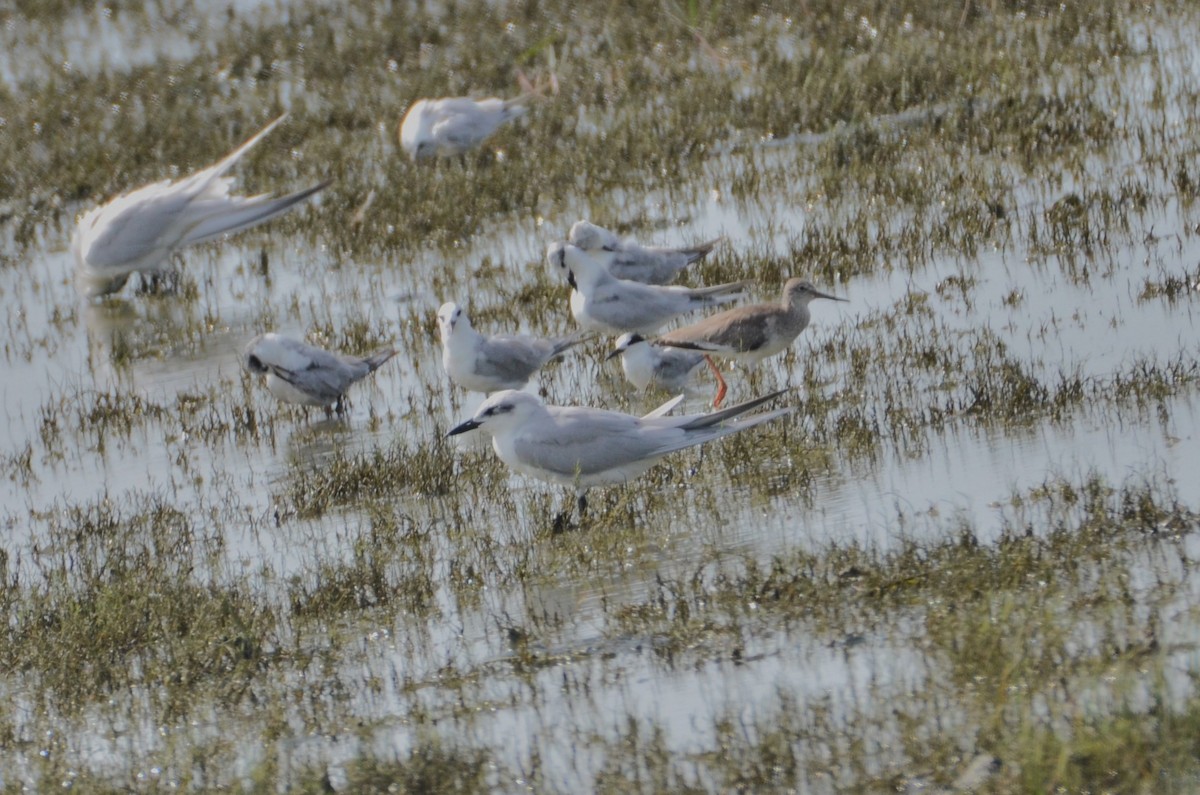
(63, 355)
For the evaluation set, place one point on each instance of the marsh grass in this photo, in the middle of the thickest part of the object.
(424, 612)
(1033, 618)
(388, 567)
(380, 474)
(433, 767)
(124, 597)
(705, 105)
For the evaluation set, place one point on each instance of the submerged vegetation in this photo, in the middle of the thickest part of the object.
(965, 562)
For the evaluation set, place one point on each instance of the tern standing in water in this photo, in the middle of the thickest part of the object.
(305, 374)
(625, 259)
(139, 231)
(488, 364)
(585, 447)
(646, 363)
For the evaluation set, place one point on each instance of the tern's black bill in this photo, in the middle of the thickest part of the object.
(469, 425)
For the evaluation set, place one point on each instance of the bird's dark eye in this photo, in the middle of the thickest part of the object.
(255, 363)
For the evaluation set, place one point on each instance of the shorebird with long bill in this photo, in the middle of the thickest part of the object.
(749, 334)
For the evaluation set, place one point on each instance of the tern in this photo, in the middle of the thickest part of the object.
(627, 260)
(646, 363)
(453, 125)
(585, 447)
(139, 231)
(305, 374)
(481, 363)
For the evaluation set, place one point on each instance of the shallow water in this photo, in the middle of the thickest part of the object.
(381, 679)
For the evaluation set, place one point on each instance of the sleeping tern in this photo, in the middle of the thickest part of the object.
(453, 125)
(625, 259)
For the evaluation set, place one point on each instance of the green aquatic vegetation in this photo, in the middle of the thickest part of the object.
(116, 412)
(434, 766)
(120, 598)
(19, 465)
(1014, 625)
(348, 478)
(296, 579)
(358, 337)
(1175, 287)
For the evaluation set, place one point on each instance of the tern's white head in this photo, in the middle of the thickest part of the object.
(451, 318)
(583, 271)
(556, 254)
(590, 237)
(639, 359)
(416, 131)
(502, 411)
(265, 351)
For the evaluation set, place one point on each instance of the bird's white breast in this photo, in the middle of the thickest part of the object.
(639, 363)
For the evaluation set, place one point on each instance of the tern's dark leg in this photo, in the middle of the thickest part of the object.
(581, 503)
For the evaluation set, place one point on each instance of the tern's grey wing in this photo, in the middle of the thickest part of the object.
(513, 359)
(318, 371)
(302, 356)
(581, 442)
(629, 305)
(467, 122)
(696, 252)
(676, 364)
(326, 385)
(717, 419)
(134, 225)
(655, 264)
(220, 215)
(464, 131)
(701, 428)
(648, 266)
